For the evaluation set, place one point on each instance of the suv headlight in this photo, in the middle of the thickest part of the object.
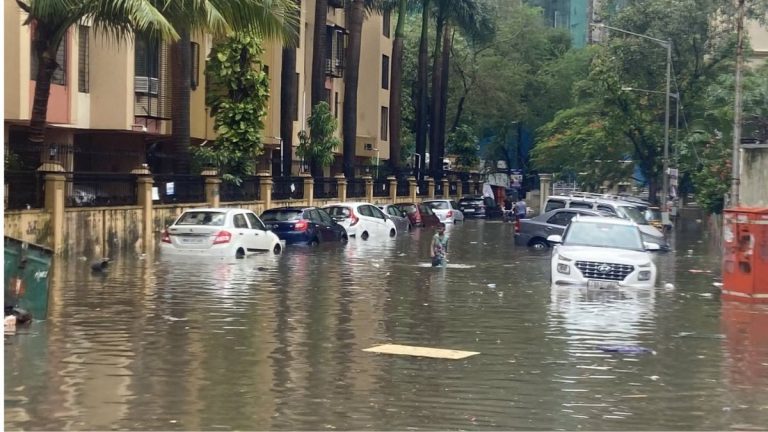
(563, 268)
(644, 275)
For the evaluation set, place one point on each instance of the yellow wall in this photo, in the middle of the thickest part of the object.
(111, 80)
(16, 58)
(758, 39)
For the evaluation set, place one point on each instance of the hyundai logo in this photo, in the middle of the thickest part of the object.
(604, 268)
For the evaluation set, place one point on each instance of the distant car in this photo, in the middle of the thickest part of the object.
(480, 206)
(399, 217)
(534, 232)
(602, 252)
(446, 210)
(218, 232)
(420, 215)
(362, 220)
(303, 225)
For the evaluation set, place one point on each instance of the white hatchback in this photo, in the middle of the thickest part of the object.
(219, 232)
(602, 253)
(445, 210)
(362, 220)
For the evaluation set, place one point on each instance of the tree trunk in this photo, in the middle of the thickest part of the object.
(46, 66)
(352, 71)
(434, 115)
(288, 99)
(422, 101)
(181, 82)
(443, 108)
(396, 89)
(319, 54)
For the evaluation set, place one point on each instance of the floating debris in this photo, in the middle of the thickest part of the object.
(421, 351)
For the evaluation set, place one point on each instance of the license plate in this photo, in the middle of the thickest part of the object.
(600, 284)
(191, 240)
(468, 210)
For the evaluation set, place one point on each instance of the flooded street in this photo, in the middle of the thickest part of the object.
(276, 343)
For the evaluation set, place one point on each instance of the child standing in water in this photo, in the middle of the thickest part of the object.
(439, 247)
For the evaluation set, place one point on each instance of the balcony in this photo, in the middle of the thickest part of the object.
(334, 67)
(336, 4)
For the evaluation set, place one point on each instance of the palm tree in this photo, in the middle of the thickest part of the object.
(116, 19)
(396, 88)
(421, 98)
(265, 18)
(319, 52)
(355, 18)
(288, 102)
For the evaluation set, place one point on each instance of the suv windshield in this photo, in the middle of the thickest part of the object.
(653, 214)
(280, 215)
(603, 235)
(632, 214)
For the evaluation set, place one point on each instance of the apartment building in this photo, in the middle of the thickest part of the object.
(110, 102)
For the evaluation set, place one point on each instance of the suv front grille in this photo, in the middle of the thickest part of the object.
(604, 271)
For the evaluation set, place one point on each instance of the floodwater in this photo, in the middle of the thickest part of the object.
(277, 343)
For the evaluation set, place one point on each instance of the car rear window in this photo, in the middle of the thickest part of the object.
(408, 208)
(281, 215)
(202, 218)
(439, 205)
(338, 211)
(472, 201)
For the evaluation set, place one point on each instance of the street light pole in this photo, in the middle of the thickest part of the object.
(665, 163)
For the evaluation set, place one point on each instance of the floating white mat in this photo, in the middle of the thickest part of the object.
(421, 351)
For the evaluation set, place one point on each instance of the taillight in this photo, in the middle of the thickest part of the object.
(449, 214)
(517, 225)
(353, 218)
(301, 225)
(166, 237)
(222, 237)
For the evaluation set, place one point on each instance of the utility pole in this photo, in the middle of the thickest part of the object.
(665, 165)
(735, 180)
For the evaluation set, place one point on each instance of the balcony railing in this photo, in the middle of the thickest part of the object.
(334, 67)
(356, 188)
(326, 188)
(248, 190)
(284, 188)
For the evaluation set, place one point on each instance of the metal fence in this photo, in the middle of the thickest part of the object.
(403, 188)
(356, 188)
(180, 188)
(439, 189)
(453, 187)
(248, 190)
(326, 188)
(284, 188)
(466, 188)
(23, 189)
(381, 188)
(423, 188)
(100, 189)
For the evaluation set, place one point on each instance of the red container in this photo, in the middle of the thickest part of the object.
(745, 259)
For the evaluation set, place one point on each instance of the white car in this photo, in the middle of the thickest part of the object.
(219, 232)
(602, 253)
(446, 210)
(362, 220)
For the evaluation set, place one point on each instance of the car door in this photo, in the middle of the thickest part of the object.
(242, 234)
(367, 222)
(329, 233)
(396, 217)
(260, 240)
(381, 221)
(458, 215)
(557, 222)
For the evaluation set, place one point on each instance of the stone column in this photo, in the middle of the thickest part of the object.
(309, 188)
(544, 188)
(459, 188)
(392, 188)
(265, 189)
(412, 186)
(144, 183)
(341, 187)
(446, 188)
(430, 187)
(55, 200)
(212, 186)
(368, 188)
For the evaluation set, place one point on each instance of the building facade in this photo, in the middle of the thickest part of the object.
(110, 102)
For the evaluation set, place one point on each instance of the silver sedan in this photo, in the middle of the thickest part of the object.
(399, 217)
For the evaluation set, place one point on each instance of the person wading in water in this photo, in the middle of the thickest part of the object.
(439, 247)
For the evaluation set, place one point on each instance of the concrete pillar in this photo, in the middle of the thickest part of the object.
(392, 188)
(446, 188)
(430, 187)
(55, 199)
(341, 187)
(412, 186)
(368, 188)
(265, 189)
(212, 187)
(545, 181)
(144, 183)
(309, 188)
(459, 188)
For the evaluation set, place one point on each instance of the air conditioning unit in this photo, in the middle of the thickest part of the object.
(368, 146)
(146, 85)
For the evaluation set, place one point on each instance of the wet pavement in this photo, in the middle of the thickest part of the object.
(276, 343)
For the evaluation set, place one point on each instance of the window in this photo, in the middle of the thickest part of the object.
(239, 221)
(387, 23)
(385, 72)
(384, 123)
(336, 106)
(265, 69)
(580, 205)
(83, 84)
(561, 218)
(377, 213)
(296, 97)
(324, 217)
(195, 62)
(255, 222)
(365, 211)
(553, 204)
(607, 209)
(60, 73)
(147, 58)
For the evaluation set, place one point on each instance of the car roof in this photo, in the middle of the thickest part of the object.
(216, 209)
(604, 220)
(436, 200)
(289, 209)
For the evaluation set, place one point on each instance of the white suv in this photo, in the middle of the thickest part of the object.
(602, 253)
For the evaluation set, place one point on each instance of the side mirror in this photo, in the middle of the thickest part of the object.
(554, 238)
(651, 246)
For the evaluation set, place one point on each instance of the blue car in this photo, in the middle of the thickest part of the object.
(303, 225)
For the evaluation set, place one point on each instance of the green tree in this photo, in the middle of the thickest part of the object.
(462, 143)
(238, 94)
(318, 146)
(117, 20)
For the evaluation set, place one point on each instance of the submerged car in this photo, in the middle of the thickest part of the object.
(602, 252)
(362, 220)
(480, 207)
(534, 232)
(303, 225)
(420, 215)
(446, 210)
(218, 232)
(399, 217)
